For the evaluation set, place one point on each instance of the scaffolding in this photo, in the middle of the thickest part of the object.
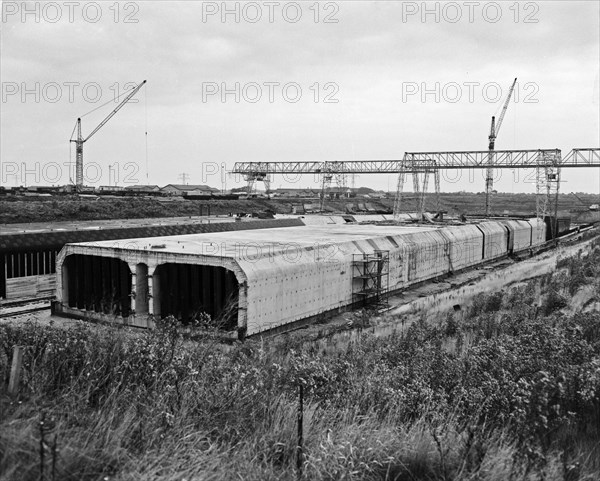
(547, 189)
(371, 276)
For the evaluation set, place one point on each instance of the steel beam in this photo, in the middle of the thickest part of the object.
(589, 157)
(503, 159)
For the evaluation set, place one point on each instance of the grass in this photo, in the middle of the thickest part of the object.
(504, 390)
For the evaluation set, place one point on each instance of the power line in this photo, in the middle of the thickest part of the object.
(184, 177)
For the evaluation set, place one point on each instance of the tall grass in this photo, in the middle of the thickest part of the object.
(510, 390)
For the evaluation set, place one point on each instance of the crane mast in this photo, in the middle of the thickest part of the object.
(494, 130)
(79, 141)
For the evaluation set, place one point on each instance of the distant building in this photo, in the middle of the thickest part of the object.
(379, 195)
(198, 192)
(143, 188)
(340, 192)
(294, 193)
(179, 189)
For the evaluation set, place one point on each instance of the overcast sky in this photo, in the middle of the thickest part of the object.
(338, 80)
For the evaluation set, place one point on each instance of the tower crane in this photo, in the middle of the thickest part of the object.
(79, 141)
(494, 130)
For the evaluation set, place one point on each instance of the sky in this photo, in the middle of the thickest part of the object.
(292, 81)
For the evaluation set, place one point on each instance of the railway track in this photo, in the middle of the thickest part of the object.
(24, 306)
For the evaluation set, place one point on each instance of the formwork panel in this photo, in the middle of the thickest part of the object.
(539, 231)
(21, 287)
(395, 254)
(495, 238)
(285, 289)
(466, 246)
(426, 254)
(520, 234)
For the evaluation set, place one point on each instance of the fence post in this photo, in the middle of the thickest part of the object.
(299, 452)
(42, 441)
(15, 370)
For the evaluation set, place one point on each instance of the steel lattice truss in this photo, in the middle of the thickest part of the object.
(582, 158)
(503, 159)
(547, 162)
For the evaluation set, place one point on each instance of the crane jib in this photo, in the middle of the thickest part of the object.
(80, 140)
(117, 108)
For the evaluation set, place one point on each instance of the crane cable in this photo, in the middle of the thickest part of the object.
(106, 103)
(99, 107)
(71, 157)
(72, 133)
(515, 126)
(514, 143)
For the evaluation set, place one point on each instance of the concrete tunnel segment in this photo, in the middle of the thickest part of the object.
(152, 274)
(286, 275)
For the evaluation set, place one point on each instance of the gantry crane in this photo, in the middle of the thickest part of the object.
(79, 141)
(584, 204)
(494, 130)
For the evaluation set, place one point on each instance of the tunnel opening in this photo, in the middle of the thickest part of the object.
(2, 276)
(187, 291)
(98, 284)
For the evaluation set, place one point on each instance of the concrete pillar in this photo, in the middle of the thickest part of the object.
(64, 280)
(133, 295)
(154, 281)
(141, 283)
(153, 291)
(150, 294)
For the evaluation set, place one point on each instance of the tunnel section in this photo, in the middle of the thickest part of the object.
(2, 276)
(98, 284)
(188, 290)
(28, 252)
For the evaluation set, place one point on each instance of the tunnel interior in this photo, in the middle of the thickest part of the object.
(99, 284)
(186, 291)
(2, 276)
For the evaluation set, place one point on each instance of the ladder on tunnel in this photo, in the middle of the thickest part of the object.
(370, 278)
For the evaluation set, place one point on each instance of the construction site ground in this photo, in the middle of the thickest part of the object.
(47, 209)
